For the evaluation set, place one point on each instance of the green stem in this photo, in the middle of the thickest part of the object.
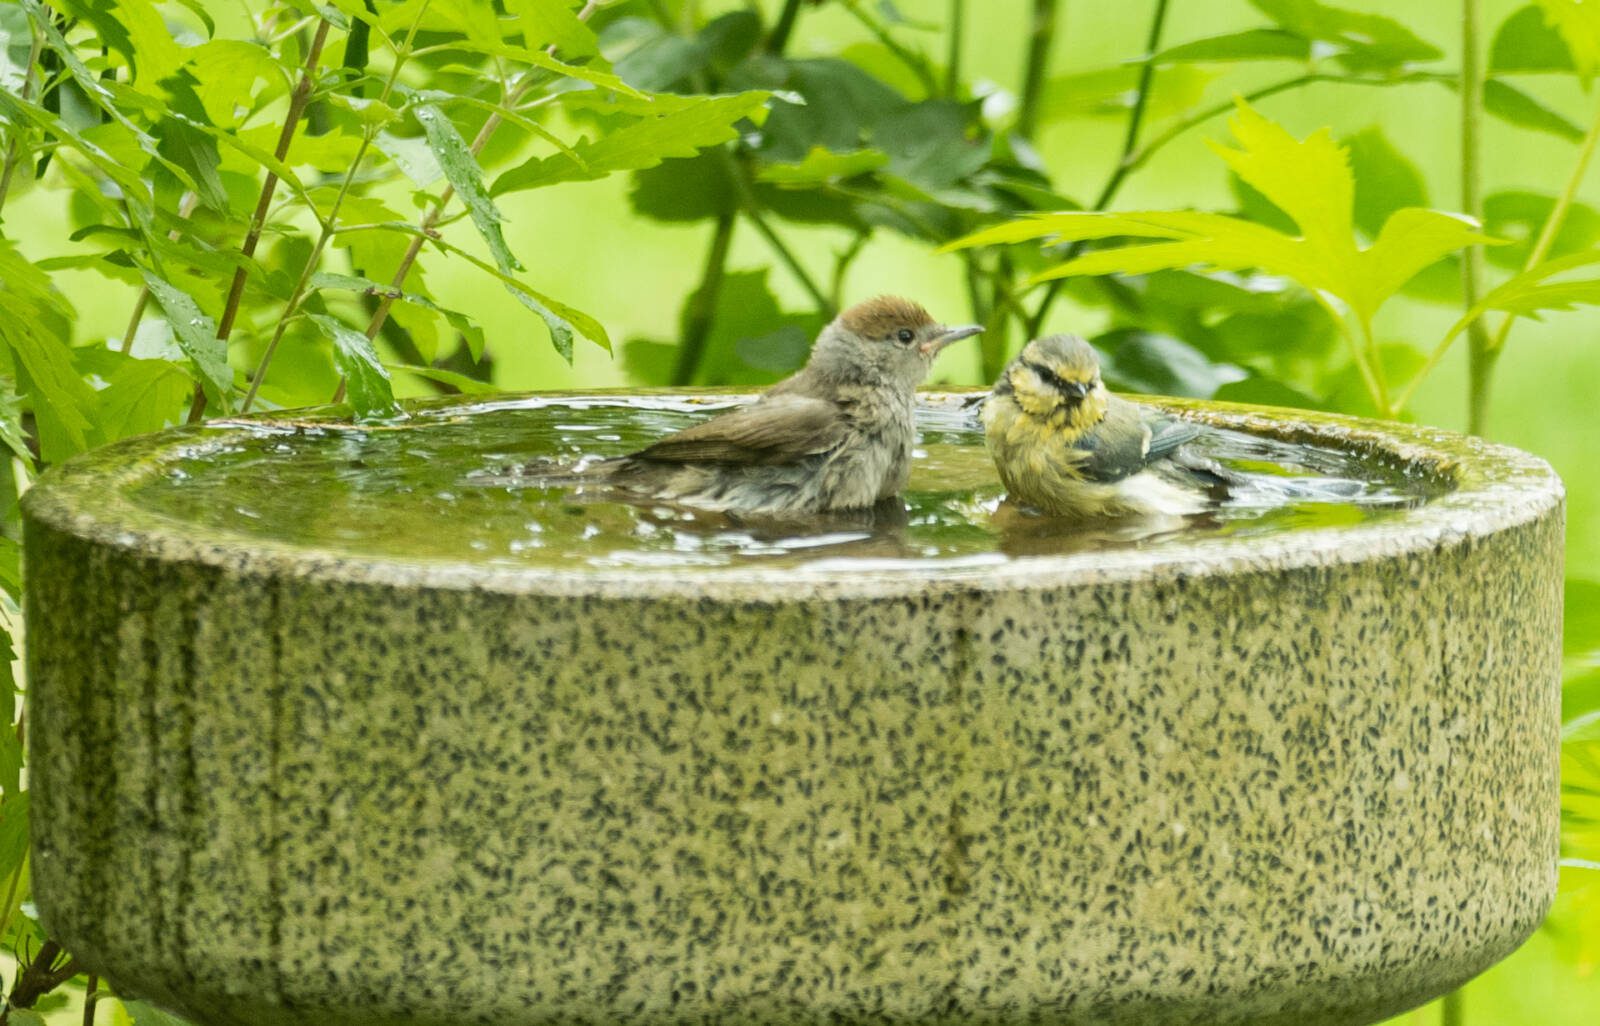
(91, 998)
(752, 210)
(841, 266)
(1378, 381)
(701, 314)
(1480, 356)
(1130, 140)
(1452, 1009)
(1041, 35)
(1541, 249)
(783, 28)
(510, 98)
(952, 60)
(913, 61)
(14, 146)
(291, 120)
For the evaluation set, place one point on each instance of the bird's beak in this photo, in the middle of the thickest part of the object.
(1080, 388)
(949, 335)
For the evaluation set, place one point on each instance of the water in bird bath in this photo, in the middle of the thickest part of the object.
(449, 483)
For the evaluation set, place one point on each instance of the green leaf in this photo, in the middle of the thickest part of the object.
(460, 322)
(929, 144)
(1526, 42)
(822, 166)
(460, 382)
(1364, 42)
(1250, 45)
(1386, 182)
(1111, 92)
(1152, 363)
(463, 172)
(1516, 107)
(366, 380)
(142, 1014)
(650, 58)
(195, 152)
(35, 329)
(553, 23)
(196, 333)
(1307, 179)
(642, 144)
(13, 831)
(1521, 216)
(1533, 292)
(412, 155)
(1578, 24)
(142, 396)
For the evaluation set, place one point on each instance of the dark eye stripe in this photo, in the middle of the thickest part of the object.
(1050, 377)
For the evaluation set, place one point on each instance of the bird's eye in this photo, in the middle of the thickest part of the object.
(905, 335)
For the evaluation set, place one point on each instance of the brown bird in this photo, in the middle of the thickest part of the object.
(837, 435)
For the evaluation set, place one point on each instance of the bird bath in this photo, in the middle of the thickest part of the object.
(404, 772)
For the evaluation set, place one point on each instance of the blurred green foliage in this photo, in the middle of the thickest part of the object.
(207, 208)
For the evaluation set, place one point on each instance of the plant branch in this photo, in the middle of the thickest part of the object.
(14, 146)
(739, 174)
(91, 998)
(1480, 358)
(783, 28)
(1377, 380)
(841, 266)
(1041, 36)
(431, 219)
(952, 60)
(1541, 249)
(915, 61)
(39, 976)
(701, 313)
(1130, 140)
(291, 120)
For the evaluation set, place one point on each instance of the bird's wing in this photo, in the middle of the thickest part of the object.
(775, 429)
(1167, 433)
(1129, 439)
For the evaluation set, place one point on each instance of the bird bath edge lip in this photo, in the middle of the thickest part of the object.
(1483, 488)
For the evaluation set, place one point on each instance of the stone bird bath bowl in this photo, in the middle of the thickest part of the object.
(1300, 778)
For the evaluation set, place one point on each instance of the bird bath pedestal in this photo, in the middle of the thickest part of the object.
(1304, 778)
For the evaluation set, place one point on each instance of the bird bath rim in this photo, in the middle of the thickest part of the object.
(1486, 488)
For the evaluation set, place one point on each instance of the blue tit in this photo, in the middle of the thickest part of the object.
(1067, 447)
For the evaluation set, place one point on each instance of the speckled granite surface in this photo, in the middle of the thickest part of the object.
(1311, 780)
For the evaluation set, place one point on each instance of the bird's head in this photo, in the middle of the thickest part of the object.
(1058, 378)
(884, 339)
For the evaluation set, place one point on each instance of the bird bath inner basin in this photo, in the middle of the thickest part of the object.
(471, 482)
(373, 724)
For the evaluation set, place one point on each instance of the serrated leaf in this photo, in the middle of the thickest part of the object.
(195, 152)
(1309, 180)
(1533, 292)
(1525, 42)
(1516, 107)
(142, 396)
(366, 380)
(462, 170)
(1250, 45)
(35, 328)
(1578, 23)
(196, 334)
(462, 324)
(97, 91)
(643, 144)
(18, 112)
(822, 166)
(553, 23)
